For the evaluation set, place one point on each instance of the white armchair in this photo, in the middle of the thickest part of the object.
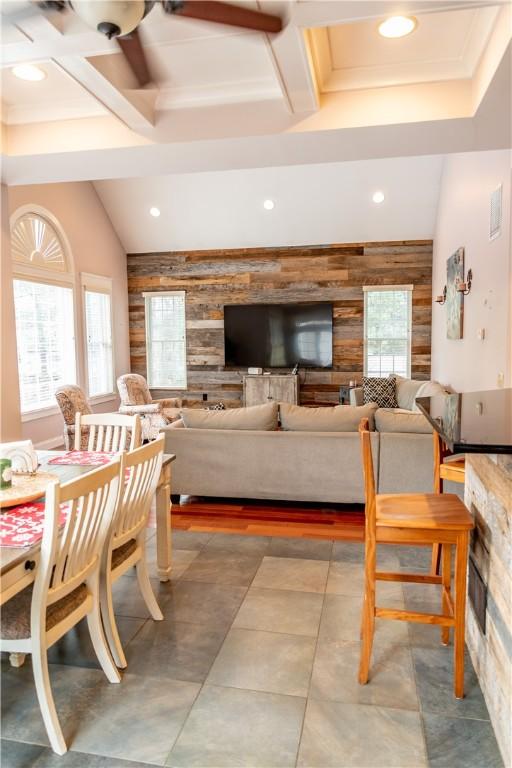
(136, 399)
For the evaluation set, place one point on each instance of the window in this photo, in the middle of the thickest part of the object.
(165, 339)
(98, 335)
(387, 330)
(45, 341)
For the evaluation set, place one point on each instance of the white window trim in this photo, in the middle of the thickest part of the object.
(147, 296)
(50, 277)
(98, 284)
(409, 289)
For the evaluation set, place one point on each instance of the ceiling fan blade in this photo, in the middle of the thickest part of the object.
(131, 46)
(224, 13)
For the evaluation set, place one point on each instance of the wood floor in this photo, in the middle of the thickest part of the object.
(270, 518)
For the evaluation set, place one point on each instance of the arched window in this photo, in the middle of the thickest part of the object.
(44, 308)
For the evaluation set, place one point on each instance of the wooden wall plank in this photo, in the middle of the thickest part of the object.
(334, 273)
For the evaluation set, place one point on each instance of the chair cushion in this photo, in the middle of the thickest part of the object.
(380, 391)
(120, 554)
(256, 417)
(15, 617)
(339, 418)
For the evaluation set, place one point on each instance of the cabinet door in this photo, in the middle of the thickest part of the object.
(283, 389)
(256, 390)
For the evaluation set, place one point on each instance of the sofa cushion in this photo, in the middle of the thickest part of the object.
(339, 418)
(262, 417)
(401, 420)
(429, 389)
(380, 391)
(406, 390)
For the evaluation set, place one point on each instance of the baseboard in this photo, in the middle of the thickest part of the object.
(52, 442)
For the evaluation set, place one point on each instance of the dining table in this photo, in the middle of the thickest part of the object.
(18, 565)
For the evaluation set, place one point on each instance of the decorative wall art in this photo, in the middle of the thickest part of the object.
(454, 297)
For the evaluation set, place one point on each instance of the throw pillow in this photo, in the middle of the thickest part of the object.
(406, 391)
(429, 389)
(380, 391)
(339, 418)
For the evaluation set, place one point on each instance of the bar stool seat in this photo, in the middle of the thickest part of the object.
(422, 510)
(420, 519)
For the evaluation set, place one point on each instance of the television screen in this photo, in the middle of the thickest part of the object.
(278, 335)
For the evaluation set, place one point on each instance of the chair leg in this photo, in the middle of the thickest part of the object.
(98, 638)
(45, 698)
(147, 590)
(16, 659)
(435, 562)
(461, 560)
(109, 622)
(368, 618)
(446, 584)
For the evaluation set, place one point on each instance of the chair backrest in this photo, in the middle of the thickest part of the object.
(369, 477)
(109, 431)
(140, 470)
(70, 557)
(133, 389)
(71, 400)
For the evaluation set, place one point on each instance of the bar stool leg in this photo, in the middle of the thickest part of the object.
(446, 583)
(368, 618)
(461, 563)
(436, 559)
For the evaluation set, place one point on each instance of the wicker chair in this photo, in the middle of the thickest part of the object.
(136, 399)
(72, 400)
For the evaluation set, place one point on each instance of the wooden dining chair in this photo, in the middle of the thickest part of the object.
(127, 546)
(414, 519)
(66, 586)
(446, 467)
(110, 432)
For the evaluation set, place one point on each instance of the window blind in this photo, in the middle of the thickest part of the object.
(166, 340)
(98, 324)
(45, 341)
(387, 334)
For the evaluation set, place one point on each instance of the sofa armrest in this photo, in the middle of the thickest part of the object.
(131, 410)
(356, 396)
(169, 402)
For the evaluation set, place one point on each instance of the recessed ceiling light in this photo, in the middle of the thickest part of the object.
(378, 197)
(398, 26)
(268, 205)
(29, 72)
(155, 212)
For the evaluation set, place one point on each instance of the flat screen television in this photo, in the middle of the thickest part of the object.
(278, 335)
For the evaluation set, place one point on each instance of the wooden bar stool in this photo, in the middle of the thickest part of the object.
(445, 468)
(423, 519)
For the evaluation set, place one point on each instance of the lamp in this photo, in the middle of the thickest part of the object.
(442, 298)
(465, 288)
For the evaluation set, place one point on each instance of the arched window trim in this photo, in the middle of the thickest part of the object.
(65, 277)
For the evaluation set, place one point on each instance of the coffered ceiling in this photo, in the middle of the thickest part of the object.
(328, 87)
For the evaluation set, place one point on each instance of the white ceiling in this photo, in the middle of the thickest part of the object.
(313, 204)
(327, 88)
(444, 46)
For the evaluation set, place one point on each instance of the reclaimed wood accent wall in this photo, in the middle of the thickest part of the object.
(333, 273)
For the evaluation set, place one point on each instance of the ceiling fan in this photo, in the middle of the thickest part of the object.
(120, 19)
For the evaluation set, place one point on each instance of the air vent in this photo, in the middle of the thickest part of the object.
(495, 222)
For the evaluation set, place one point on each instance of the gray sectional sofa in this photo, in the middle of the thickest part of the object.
(313, 456)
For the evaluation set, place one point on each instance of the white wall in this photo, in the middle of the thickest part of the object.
(324, 203)
(96, 249)
(463, 220)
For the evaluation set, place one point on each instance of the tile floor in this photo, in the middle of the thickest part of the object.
(255, 664)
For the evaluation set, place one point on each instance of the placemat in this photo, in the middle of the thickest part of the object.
(23, 526)
(84, 458)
